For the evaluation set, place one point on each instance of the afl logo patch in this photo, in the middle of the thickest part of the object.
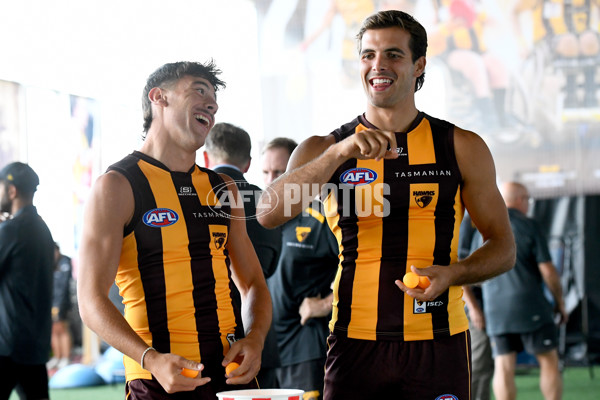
(447, 397)
(160, 217)
(358, 176)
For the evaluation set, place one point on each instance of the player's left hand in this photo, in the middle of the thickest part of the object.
(247, 352)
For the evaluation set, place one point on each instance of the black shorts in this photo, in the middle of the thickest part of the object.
(414, 370)
(32, 380)
(540, 341)
(307, 376)
(150, 389)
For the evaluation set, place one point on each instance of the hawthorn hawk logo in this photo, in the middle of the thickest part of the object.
(423, 197)
(302, 233)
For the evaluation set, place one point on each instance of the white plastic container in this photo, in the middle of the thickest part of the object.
(261, 394)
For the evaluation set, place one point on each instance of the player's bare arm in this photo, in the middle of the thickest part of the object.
(485, 205)
(487, 209)
(256, 300)
(108, 210)
(314, 161)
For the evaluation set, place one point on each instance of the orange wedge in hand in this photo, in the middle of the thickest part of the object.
(190, 373)
(411, 280)
(424, 282)
(230, 367)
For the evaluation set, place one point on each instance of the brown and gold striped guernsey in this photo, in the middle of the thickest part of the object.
(388, 215)
(174, 271)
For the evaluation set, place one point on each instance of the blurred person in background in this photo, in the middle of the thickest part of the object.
(61, 310)
(517, 314)
(301, 287)
(275, 158)
(26, 268)
(227, 151)
(481, 350)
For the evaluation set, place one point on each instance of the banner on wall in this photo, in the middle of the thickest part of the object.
(524, 77)
(58, 139)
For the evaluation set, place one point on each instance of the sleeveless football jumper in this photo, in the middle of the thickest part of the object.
(174, 273)
(388, 215)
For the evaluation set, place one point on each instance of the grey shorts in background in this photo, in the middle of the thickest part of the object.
(540, 341)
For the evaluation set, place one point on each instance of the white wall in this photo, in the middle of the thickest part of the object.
(105, 50)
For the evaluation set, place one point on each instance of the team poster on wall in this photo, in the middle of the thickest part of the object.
(522, 74)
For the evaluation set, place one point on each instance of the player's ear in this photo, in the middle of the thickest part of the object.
(420, 66)
(12, 191)
(157, 96)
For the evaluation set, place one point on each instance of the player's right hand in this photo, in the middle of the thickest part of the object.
(369, 144)
(167, 368)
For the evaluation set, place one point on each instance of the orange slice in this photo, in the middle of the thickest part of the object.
(230, 367)
(411, 280)
(190, 373)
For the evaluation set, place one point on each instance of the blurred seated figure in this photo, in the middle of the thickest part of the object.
(570, 32)
(61, 308)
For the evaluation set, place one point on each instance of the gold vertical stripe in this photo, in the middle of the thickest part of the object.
(220, 272)
(133, 370)
(456, 305)
(128, 280)
(459, 213)
(420, 144)
(225, 312)
(178, 273)
(421, 245)
(205, 190)
(365, 289)
(330, 206)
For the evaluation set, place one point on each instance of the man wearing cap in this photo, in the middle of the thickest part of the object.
(26, 267)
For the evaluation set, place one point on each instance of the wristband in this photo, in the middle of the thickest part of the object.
(144, 355)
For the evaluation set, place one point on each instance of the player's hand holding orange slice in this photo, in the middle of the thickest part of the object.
(190, 373)
(412, 280)
(230, 367)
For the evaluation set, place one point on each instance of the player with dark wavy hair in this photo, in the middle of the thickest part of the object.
(379, 170)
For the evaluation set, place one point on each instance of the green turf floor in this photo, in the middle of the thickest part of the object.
(578, 385)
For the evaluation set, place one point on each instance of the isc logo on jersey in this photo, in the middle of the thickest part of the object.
(160, 217)
(358, 176)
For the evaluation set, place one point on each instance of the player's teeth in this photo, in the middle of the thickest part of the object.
(378, 81)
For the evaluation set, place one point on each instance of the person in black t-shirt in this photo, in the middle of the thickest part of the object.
(301, 286)
(26, 267)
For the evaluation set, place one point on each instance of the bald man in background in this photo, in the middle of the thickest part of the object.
(518, 315)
